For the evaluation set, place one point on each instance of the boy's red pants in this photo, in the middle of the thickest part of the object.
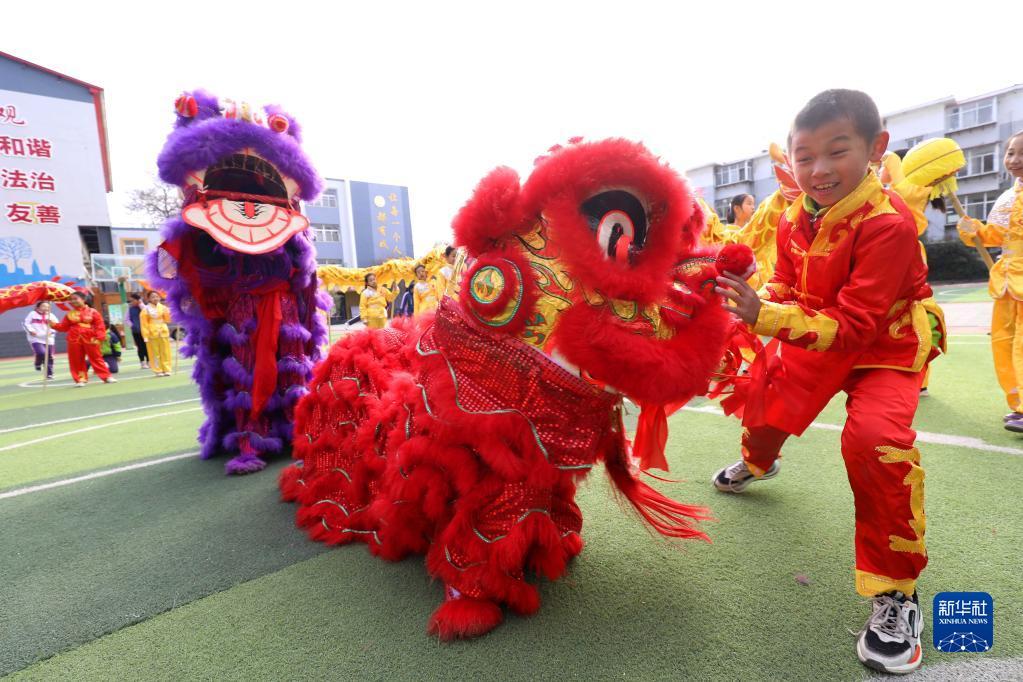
(884, 473)
(77, 351)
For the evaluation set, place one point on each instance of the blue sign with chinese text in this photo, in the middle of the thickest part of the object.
(964, 622)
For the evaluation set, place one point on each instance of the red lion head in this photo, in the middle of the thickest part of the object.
(593, 261)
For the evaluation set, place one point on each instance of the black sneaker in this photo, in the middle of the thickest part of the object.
(735, 478)
(890, 641)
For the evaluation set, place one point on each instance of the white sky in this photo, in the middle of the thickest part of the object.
(433, 94)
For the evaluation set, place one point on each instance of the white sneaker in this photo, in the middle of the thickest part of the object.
(79, 383)
(735, 478)
(890, 641)
(110, 380)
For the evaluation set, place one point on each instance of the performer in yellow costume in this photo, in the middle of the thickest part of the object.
(154, 318)
(424, 293)
(927, 172)
(447, 272)
(1004, 228)
(373, 303)
(714, 231)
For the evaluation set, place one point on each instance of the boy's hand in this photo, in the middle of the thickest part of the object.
(735, 289)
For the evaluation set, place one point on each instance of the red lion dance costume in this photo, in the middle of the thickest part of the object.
(462, 434)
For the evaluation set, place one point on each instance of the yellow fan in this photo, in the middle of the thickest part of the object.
(934, 163)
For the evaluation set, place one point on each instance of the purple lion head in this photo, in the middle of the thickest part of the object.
(241, 171)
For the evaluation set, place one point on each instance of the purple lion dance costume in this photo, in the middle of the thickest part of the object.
(240, 271)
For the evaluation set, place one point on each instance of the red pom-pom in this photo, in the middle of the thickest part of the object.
(278, 123)
(186, 106)
(736, 259)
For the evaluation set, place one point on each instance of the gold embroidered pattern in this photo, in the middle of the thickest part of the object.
(915, 480)
(792, 323)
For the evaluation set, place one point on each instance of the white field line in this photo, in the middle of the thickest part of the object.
(36, 441)
(38, 383)
(96, 474)
(922, 436)
(98, 414)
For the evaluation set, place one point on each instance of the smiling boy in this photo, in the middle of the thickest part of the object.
(847, 303)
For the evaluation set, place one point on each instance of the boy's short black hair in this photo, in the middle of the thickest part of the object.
(136, 296)
(448, 251)
(833, 105)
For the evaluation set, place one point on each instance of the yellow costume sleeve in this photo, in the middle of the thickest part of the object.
(144, 319)
(990, 235)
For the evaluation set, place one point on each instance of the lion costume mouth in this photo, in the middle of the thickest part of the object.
(245, 204)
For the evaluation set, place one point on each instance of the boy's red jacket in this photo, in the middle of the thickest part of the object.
(849, 292)
(853, 284)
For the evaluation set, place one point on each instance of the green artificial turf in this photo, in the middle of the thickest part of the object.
(962, 293)
(198, 576)
(84, 560)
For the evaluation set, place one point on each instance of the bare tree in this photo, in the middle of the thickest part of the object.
(15, 248)
(157, 203)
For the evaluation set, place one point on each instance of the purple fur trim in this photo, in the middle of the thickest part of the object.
(238, 400)
(323, 301)
(208, 107)
(295, 332)
(294, 393)
(285, 430)
(198, 143)
(244, 464)
(289, 364)
(294, 129)
(256, 442)
(237, 373)
(231, 336)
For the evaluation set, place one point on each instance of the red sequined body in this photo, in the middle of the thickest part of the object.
(398, 435)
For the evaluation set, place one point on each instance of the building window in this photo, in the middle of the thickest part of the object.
(721, 207)
(977, 206)
(329, 261)
(979, 160)
(133, 247)
(326, 200)
(326, 233)
(733, 173)
(972, 114)
(914, 141)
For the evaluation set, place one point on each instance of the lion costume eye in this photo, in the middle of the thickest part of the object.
(614, 215)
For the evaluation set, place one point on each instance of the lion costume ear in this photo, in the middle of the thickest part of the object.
(195, 105)
(492, 215)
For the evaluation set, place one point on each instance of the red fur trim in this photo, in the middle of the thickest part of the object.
(565, 179)
(644, 368)
(289, 483)
(492, 214)
(464, 618)
(735, 259)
